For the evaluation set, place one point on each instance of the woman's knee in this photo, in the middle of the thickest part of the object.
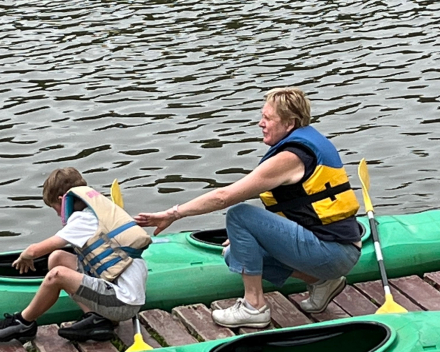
(237, 213)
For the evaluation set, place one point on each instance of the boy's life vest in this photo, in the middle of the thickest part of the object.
(116, 242)
(323, 198)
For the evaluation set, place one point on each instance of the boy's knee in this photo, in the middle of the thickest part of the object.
(54, 258)
(56, 274)
(60, 257)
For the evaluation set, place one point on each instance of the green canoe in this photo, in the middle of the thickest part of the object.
(406, 332)
(188, 267)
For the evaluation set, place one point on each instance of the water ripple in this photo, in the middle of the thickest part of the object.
(166, 97)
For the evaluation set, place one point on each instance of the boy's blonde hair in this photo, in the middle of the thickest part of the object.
(59, 182)
(290, 104)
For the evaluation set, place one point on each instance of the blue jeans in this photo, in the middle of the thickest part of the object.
(264, 243)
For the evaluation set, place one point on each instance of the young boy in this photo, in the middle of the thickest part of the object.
(106, 276)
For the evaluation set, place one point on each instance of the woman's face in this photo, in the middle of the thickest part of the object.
(273, 128)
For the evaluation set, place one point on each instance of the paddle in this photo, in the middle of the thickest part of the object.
(138, 344)
(115, 194)
(389, 306)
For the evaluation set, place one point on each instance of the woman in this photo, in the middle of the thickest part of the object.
(308, 228)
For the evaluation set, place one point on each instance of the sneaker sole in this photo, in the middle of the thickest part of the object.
(338, 290)
(25, 339)
(249, 325)
(75, 336)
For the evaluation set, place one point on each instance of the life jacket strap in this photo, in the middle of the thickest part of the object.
(110, 235)
(124, 251)
(329, 192)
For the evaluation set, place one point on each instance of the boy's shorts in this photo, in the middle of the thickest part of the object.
(99, 296)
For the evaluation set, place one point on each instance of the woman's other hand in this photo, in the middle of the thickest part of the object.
(161, 220)
(225, 244)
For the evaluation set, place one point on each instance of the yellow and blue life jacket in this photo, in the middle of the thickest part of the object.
(323, 198)
(117, 240)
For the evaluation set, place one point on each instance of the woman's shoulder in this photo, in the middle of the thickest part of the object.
(305, 155)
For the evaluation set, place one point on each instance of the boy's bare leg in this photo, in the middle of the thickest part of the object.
(68, 260)
(62, 276)
(59, 278)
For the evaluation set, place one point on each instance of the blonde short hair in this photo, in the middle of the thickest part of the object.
(59, 182)
(290, 104)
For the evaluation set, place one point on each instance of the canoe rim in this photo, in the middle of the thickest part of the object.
(206, 239)
(213, 239)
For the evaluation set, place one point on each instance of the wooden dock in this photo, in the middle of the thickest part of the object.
(193, 323)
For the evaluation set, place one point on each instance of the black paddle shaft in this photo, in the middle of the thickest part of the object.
(383, 273)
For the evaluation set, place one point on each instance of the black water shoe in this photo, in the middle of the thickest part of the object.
(91, 326)
(13, 328)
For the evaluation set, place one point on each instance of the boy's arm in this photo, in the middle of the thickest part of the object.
(36, 250)
(46, 246)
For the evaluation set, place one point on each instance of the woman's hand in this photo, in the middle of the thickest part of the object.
(24, 263)
(225, 244)
(161, 220)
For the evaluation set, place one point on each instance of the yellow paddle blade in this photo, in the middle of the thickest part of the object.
(365, 181)
(390, 306)
(115, 194)
(139, 345)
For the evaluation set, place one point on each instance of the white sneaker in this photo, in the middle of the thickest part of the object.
(321, 295)
(239, 315)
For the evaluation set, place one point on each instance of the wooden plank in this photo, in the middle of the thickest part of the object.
(374, 291)
(197, 319)
(125, 332)
(354, 302)
(12, 346)
(166, 330)
(96, 346)
(48, 340)
(433, 279)
(332, 312)
(245, 330)
(419, 291)
(283, 312)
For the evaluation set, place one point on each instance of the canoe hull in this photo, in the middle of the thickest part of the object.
(186, 269)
